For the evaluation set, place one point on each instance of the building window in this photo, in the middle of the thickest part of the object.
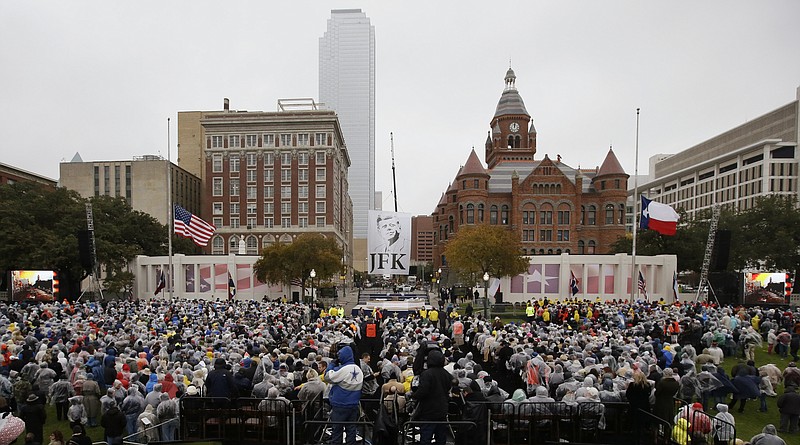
(234, 161)
(233, 244)
(302, 207)
(302, 221)
(302, 191)
(269, 159)
(269, 140)
(217, 206)
(451, 225)
(302, 139)
(480, 212)
(504, 215)
(252, 159)
(251, 176)
(251, 208)
(609, 214)
(286, 175)
(252, 245)
(545, 235)
(269, 208)
(546, 217)
(320, 173)
(251, 140)
(319, 157)
(286, 140)
(622, 214)
(320, 207)
(562, 235)
(286, 208)
(475, 183)
(470, 214)
(217, 187)
(320, 221)
(302, 174)
(286, 192)
(591, 249)
(320, 193)
(217, 246)
(235, 222)
(217, 221)
(106, 180)
(269, 175)
(493, 214)
(251, 222)
(592, 216)
(320, 139)
(269, 222)
(216, 163)
(302, 158)
(286, 222)
(234, 187)
(269, 191)
(563, 217)
(233, 141)
(234, 206)
(581, 247)
(216, 141)
(286, 158)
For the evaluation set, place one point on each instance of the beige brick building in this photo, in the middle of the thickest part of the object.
(555, 208)
(142, 181)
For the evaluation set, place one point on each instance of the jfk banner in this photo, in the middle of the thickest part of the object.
(389, 243)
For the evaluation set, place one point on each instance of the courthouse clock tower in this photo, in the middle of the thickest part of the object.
(513, 137)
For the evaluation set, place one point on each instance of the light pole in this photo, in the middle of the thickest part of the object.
(313, 275)
(486, 295)
(439, 281)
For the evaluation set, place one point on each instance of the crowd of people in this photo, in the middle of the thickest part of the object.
(125, 366)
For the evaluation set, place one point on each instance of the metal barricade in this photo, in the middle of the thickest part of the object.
(539, 422)
(261, 420)
(456, 429)
(654, 430)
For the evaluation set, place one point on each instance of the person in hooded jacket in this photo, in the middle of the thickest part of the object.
(219, 382)
(432, 395)
(768, 436)
(347, 380)
(724, 426)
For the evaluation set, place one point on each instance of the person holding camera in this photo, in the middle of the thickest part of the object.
(432, 399)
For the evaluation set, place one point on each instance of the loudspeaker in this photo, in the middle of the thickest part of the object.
(722, 250)
(412, 271)
(85, 250)
(727, 287)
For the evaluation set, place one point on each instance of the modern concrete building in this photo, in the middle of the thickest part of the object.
(554, 207)
(755, 159)
(11, 175)
(347, 86)
(142, 181)
(270, 176)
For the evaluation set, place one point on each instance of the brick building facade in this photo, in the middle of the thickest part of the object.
(270, 176)
(555, 208)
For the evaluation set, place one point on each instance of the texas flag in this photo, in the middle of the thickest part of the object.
(659, 217)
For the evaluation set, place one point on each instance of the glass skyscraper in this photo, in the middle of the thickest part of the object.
(347, 86)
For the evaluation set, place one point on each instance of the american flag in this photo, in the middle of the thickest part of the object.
(573, 284)
(642, 285)
(190, 226)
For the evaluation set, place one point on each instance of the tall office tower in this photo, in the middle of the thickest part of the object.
(347, 86)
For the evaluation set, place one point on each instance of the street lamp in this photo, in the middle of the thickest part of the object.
(439, 281)
(313, 275)
(486, 295)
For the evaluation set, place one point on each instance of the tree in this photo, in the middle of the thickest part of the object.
(292, 263)
(40, 228)
(475, 250)
(766, 236)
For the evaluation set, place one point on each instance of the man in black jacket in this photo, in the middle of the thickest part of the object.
(432, 395)
(113, 422)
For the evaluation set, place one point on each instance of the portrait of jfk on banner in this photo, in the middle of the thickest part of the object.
(389, 242)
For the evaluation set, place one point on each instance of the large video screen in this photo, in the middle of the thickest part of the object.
(32, 285)
(764, 288)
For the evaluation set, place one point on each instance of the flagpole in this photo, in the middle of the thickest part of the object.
(634, 276)
(169, 212)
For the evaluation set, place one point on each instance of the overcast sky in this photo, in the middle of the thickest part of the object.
(101, 78)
